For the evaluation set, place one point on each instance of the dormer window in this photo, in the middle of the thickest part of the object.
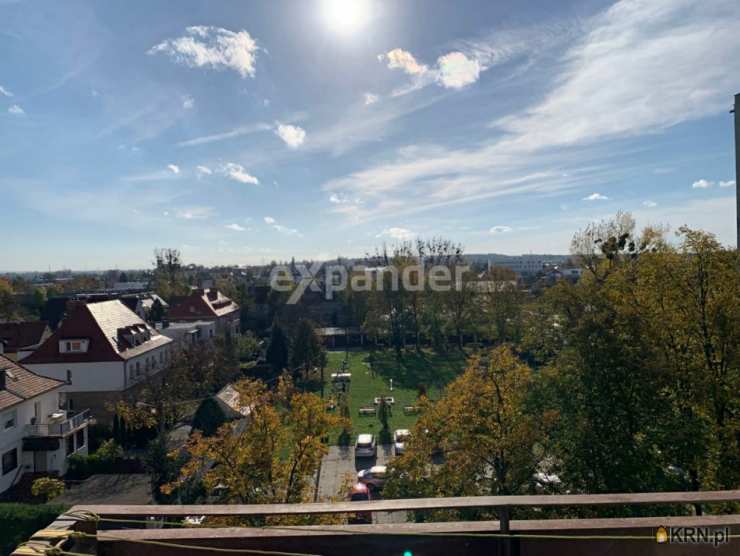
(73, 346)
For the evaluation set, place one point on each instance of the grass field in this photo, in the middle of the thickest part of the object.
(371, 374)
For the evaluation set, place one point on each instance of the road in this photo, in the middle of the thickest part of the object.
(340, 466)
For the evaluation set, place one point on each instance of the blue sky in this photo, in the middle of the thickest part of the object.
(243, 132)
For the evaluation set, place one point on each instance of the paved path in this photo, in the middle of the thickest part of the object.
(340, 463)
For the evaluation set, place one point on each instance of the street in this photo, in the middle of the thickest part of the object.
(339, 467)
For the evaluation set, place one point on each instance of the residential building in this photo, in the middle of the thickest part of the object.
(103, 352)
(36, 436)
(207, 305)
(20, 339)
(185, 334)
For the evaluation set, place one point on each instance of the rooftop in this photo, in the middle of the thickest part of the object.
(18, 384)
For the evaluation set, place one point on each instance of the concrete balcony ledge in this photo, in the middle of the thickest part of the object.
(59, 428)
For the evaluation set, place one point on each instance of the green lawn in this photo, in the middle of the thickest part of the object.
(370, 380)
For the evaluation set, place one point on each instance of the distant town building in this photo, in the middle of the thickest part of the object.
(36, 436)
(102, 351)
(20, 339)
(207, 305)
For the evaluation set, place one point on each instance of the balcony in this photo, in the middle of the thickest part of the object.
(172, 530)
(61, 425)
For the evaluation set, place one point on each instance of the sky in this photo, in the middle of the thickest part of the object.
(245, 132)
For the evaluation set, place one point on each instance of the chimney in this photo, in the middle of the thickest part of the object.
(2, 379)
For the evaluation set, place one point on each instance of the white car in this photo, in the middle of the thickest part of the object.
(400, 437)
(365, 446)
(374, 477)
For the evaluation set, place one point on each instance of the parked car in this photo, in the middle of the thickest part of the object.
(400, 437)
(373, 477)
(360, 493)
(365, 446)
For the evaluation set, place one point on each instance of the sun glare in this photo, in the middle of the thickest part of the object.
(345, 16)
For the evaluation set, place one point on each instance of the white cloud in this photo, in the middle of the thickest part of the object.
(702, 184)
(214, 48)
(235, 227)
(292, 135)
(174, 168)
(400, 234)
(729, 183)
(194, 213)
(649, 204)
(627, 46)
(287, 231)
(404, 60)
(371, 98)
(16, 110)
(596, 197)
(237, 172)
(337, 199)
(237, 132)
(499, 229)
(188, 102)
(5, 92)
(457, 70)
(270, 221)
(203, 170)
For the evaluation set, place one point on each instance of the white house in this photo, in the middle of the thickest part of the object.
(36, 436)
(102, 351)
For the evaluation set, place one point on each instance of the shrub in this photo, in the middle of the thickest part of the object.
(19, 521)
(48, 487)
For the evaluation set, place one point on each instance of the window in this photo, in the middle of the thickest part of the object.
(10, 460)
(138, 369)
(73, 346)
(69, 376)
(9, 419)
(80, 434)
(70, 444)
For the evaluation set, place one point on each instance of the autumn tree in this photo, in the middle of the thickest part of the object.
(271, 456)
(482, 427)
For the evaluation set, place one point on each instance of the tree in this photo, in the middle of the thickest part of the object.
(308, 351)
(481, 425)
(168, 279)
(8, 305)
(277, 350)
(271, 456)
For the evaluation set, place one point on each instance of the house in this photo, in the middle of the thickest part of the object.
(20, 339)
(207, 305)
(103, 352)
(35, 435)
(186, 334)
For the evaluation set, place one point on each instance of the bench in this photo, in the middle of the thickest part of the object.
(390, 400)
(410, 409)
(366, 411)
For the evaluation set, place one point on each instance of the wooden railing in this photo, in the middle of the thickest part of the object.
(148, 529)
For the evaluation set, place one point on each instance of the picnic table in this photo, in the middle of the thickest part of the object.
(388, 399)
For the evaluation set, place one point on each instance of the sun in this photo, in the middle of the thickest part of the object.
(345, 16)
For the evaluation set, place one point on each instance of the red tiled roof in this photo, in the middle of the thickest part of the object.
(203, 304)
(107, 326)
(17, 335)
(22, 384)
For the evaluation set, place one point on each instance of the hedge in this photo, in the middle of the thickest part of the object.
(19, 521)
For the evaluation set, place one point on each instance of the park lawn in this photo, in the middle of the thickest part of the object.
(431, 370)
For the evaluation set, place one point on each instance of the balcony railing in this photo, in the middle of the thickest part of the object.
(148, 530)
(59, 428)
